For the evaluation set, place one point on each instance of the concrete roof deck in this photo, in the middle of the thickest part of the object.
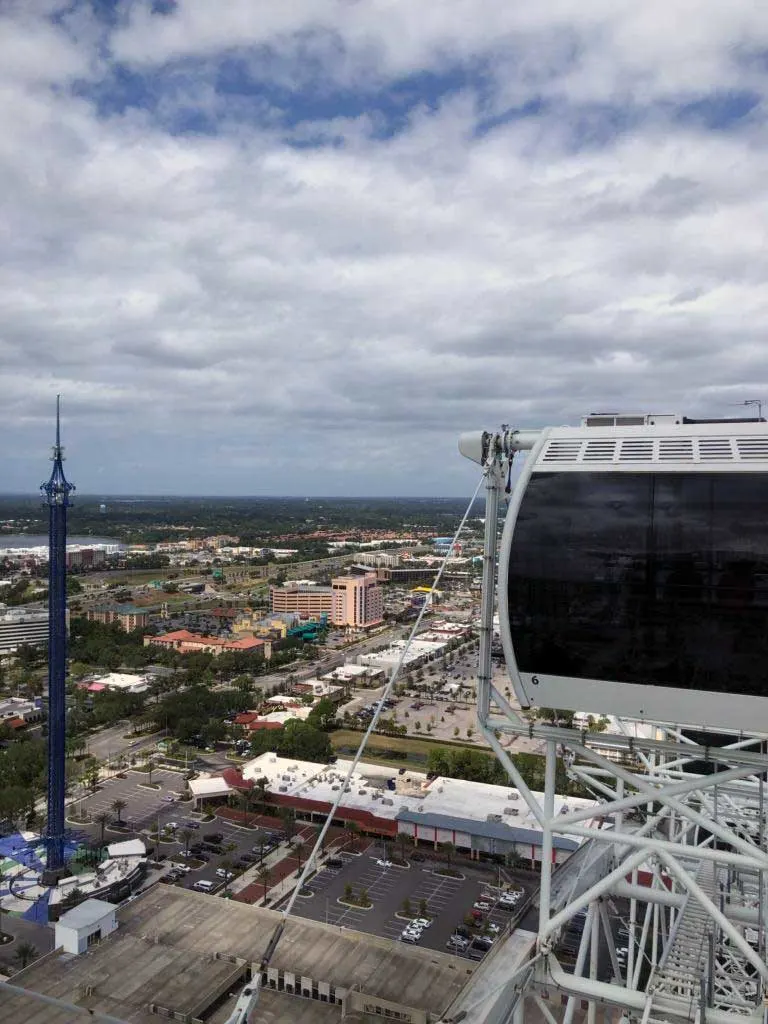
(164, 951)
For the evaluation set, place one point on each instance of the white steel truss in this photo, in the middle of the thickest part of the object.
(669, 884)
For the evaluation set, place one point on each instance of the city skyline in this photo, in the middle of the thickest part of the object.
(299, 251)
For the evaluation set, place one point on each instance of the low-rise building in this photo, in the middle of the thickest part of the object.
(482, 819)
(126, 616)
(185, 642)
(85, 926)
(18, 712)
(121, 682)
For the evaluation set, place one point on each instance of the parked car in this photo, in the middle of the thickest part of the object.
(223, 873)
(421, 922)
(213, 837)
(457, 942)
(170, 826)
(383, 863)
(409, 936)
(483, 905)
(191, 824)
(334, 862)
(169, 799)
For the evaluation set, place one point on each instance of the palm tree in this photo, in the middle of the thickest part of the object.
(186, 835)
(288, 816)
(296, 846)
(102, 819)
(227, 864)
(1, 911)
(118, 806)
(448, 849)
(404, 841)
(351, 827)
(25, 954)
(247, 797)
(264, 875)
(261, 791)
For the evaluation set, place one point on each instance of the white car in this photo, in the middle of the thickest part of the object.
(170, 826)
(185, 868)
(409, 936)
(384, 863)
(223, 873)
(482, 905)
(420, 922)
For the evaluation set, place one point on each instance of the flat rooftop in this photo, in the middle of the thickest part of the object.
(183, 950)
(452, 798)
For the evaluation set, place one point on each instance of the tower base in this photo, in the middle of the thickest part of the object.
(52, 876)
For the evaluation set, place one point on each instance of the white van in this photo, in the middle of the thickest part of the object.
(203, 886)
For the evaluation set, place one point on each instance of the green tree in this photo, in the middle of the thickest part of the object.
(228, 865)
(186, 835)
(118, 806)
(25, 954)
(288, 818)
(323, 715)
(102, 820)
(348, 892)
(448, 850)
(407, 908)
(91, 773)
(264, 875)
(353, 830)
(423, 908)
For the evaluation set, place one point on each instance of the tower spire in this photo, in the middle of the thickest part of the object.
(56, 494)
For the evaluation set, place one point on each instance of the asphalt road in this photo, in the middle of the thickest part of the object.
(108, 743)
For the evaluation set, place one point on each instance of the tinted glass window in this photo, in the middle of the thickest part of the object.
(643, 578)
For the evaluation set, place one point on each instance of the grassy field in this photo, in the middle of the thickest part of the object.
(407, 744)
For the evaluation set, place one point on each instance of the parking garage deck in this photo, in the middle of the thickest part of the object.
(167, 951)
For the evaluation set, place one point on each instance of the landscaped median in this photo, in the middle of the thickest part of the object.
(356, 901)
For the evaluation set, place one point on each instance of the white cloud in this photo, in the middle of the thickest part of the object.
(338, 314)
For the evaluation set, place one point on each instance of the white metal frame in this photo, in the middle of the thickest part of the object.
(680, 858)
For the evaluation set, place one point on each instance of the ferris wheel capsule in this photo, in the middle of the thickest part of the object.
(633, 571)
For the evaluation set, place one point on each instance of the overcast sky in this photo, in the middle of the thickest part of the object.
(297, 246)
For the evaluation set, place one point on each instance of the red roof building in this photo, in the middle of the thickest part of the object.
(185, 642)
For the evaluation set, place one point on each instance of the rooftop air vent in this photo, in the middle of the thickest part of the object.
(752, 448)
(600, 451)
(636, 449)
(559, 450)
(715, 449)
(677, 449)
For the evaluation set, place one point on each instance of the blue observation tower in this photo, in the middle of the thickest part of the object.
(56, 494)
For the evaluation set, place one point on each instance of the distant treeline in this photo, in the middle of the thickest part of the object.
(254, 520)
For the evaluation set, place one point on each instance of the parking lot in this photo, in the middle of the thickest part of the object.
(447, 901)
(144, 806)
(146, 809)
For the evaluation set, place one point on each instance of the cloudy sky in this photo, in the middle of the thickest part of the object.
(297, 246)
